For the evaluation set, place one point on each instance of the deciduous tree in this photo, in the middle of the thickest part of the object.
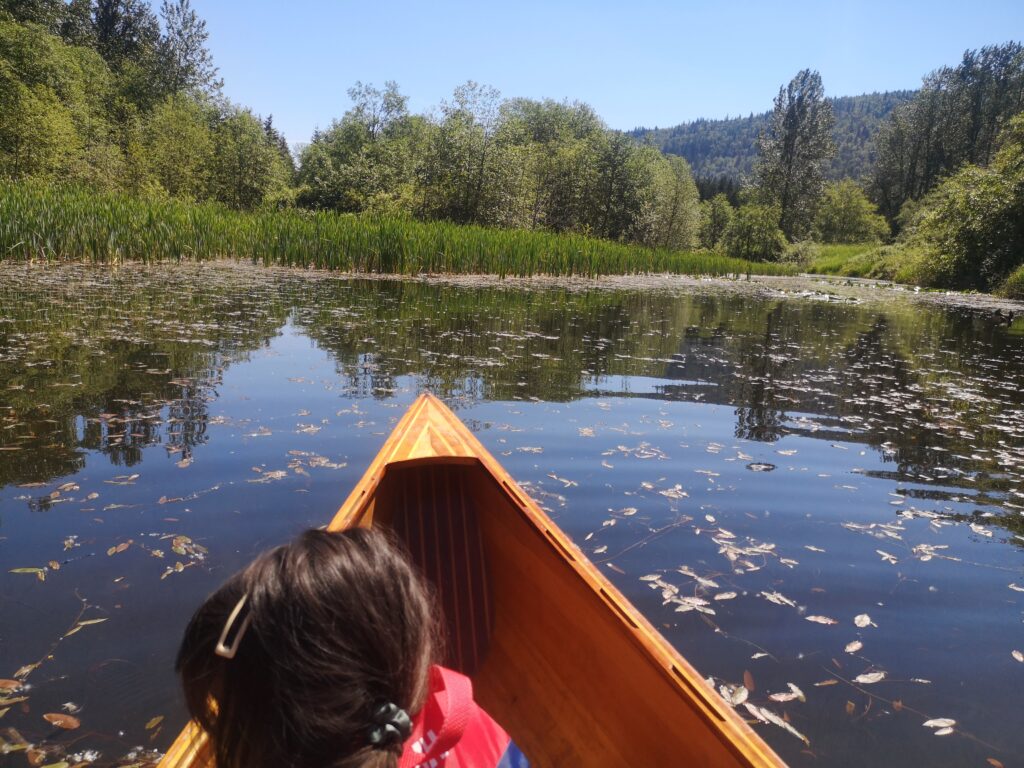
(792, 151)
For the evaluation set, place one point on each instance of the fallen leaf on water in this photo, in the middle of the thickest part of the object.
(87, 622)
(823, 683)
(734, 694)
(1017, 655)
(1016, 588)
(939, 722)
(40, 573)
(9, 685)
(821, 619)
(850, 707)
(725, 596)
(853, 647)
(748, 680)
(54, 565)
(869, 677)
(994, 763)
(767, 716)
(154, 722)
(67, 722)
(944, 731)
(863, 620)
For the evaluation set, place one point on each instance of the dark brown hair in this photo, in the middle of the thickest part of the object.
(340, 622)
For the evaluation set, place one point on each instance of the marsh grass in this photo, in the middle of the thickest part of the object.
(51, 222)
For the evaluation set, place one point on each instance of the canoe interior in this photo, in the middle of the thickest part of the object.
(548, 659)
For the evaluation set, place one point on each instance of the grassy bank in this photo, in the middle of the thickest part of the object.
(55, 222)
(853, 260)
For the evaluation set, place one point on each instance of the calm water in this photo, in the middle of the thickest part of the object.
(774, 468)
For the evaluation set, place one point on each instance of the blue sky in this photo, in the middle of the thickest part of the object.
(636, 63)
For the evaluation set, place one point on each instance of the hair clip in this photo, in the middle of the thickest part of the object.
(229, 651)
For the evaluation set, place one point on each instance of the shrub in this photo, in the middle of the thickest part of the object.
(847, 216)
(754, 234)
(1013, 286)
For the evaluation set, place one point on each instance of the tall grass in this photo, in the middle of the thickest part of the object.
(59, 222)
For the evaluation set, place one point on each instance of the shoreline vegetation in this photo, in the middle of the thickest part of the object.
(52, 222)
(117, 143)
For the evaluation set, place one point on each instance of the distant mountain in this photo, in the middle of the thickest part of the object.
(727, 148)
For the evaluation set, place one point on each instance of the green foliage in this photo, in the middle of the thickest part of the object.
(846, 215)
(246, 168)
(754, 234)
(51, 222)
(179, 146)
(727, 149)
(856, 260)
(969, 231)
(716, 216)
(519, 163)
(792, 150)
(954, 119)
(1013, 286)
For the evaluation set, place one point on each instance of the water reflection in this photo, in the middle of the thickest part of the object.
(167, 394)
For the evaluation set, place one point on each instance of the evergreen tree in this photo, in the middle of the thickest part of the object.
(792, 150)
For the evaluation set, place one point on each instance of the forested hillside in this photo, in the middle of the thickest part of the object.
(728, 148)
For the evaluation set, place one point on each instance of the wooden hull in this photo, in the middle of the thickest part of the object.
(557, 655)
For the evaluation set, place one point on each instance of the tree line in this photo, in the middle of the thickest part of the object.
(109, 94)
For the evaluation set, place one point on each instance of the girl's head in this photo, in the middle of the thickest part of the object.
(338, 625)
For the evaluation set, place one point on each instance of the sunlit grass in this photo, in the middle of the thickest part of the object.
(853, 260)
(69, 223)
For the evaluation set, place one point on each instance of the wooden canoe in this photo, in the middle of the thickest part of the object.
(556, 654)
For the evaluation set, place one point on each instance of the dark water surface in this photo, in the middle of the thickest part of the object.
(754, 472)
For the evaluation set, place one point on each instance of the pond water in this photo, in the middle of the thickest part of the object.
(822, 501)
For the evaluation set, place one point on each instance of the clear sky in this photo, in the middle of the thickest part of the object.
(636, 62)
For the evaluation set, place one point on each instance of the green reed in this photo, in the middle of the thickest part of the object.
(70, 223)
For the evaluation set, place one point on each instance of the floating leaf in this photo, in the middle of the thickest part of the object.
(870, 677)
(821, 619)
(734, 694)
(748, 680)
(40, 573)
(945, 731)
(9, 685)
(67, 722)
(853, 647)
(850, 707)
(1017, 655)
(863, 620)
(939, 722)
(154, 722)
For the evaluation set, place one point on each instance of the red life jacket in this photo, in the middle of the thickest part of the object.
(452, 731)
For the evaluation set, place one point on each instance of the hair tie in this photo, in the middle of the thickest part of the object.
(391, 726)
